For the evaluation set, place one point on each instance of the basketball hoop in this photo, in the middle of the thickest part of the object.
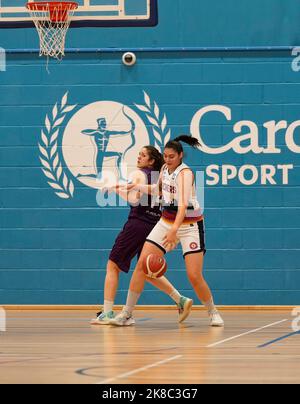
(52, 21)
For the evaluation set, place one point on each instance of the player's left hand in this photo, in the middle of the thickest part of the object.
(170, 240)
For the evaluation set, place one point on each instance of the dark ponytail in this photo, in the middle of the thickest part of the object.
(191, 141)
(155, 155)
(177, 146)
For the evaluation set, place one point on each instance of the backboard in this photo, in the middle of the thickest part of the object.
(90, 13)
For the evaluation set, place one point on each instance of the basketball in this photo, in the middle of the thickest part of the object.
(155, 266)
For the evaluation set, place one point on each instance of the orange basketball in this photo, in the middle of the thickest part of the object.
(155, 266)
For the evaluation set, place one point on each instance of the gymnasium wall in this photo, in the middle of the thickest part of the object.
(54, 243)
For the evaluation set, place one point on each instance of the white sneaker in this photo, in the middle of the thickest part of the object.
(124, 319)
(216, 319)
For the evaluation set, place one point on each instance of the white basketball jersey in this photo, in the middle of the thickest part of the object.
(170, 192)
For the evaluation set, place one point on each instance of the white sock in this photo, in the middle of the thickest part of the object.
(108, 306)
(132, 299)
(211, 308)
(175, 295)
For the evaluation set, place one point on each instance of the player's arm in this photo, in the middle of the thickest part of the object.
(185, 186)
(141, 188)
(132, 196)
(144, 188)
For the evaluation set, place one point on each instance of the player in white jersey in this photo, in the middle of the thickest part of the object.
(182, 221)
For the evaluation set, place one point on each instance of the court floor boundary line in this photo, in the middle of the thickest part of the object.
(292, 334)
(246, 333)
(142, 369)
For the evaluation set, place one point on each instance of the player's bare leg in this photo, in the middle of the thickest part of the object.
(111, 281)
(137, 285)
(194, 266)
(184, 304)
(138, 279)
(110, 291)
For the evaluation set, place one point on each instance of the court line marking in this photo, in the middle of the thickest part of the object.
(246, 333)
(140, 320)
(279, 339)
(124, 375)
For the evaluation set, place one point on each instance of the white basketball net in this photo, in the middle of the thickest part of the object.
(52, 22)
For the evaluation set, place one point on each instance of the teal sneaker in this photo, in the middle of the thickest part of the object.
(184, 307)
(103, 318)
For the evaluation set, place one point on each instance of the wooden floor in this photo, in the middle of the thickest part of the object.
(61, 347)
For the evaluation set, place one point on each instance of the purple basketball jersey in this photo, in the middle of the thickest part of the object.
(145, 211)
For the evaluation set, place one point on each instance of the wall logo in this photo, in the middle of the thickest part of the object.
(249, 140)
(101, 138)
(98, 145)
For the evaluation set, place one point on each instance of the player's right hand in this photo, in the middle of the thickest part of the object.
(128, 187)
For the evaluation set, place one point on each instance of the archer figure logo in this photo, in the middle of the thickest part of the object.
(104, 136)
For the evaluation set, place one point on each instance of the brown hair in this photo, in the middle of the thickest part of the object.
(155, 155)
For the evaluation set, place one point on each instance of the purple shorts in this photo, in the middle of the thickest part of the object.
(130, 243)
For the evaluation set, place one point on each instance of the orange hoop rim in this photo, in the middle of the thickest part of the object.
(59, 11)
(45, 5)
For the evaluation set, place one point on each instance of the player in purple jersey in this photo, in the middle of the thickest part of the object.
(143, 217)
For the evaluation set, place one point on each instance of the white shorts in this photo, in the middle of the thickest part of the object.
(191, 236)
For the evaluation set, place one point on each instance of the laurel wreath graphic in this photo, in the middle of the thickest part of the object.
(159, 122)
(49, 150)
(48, 146)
